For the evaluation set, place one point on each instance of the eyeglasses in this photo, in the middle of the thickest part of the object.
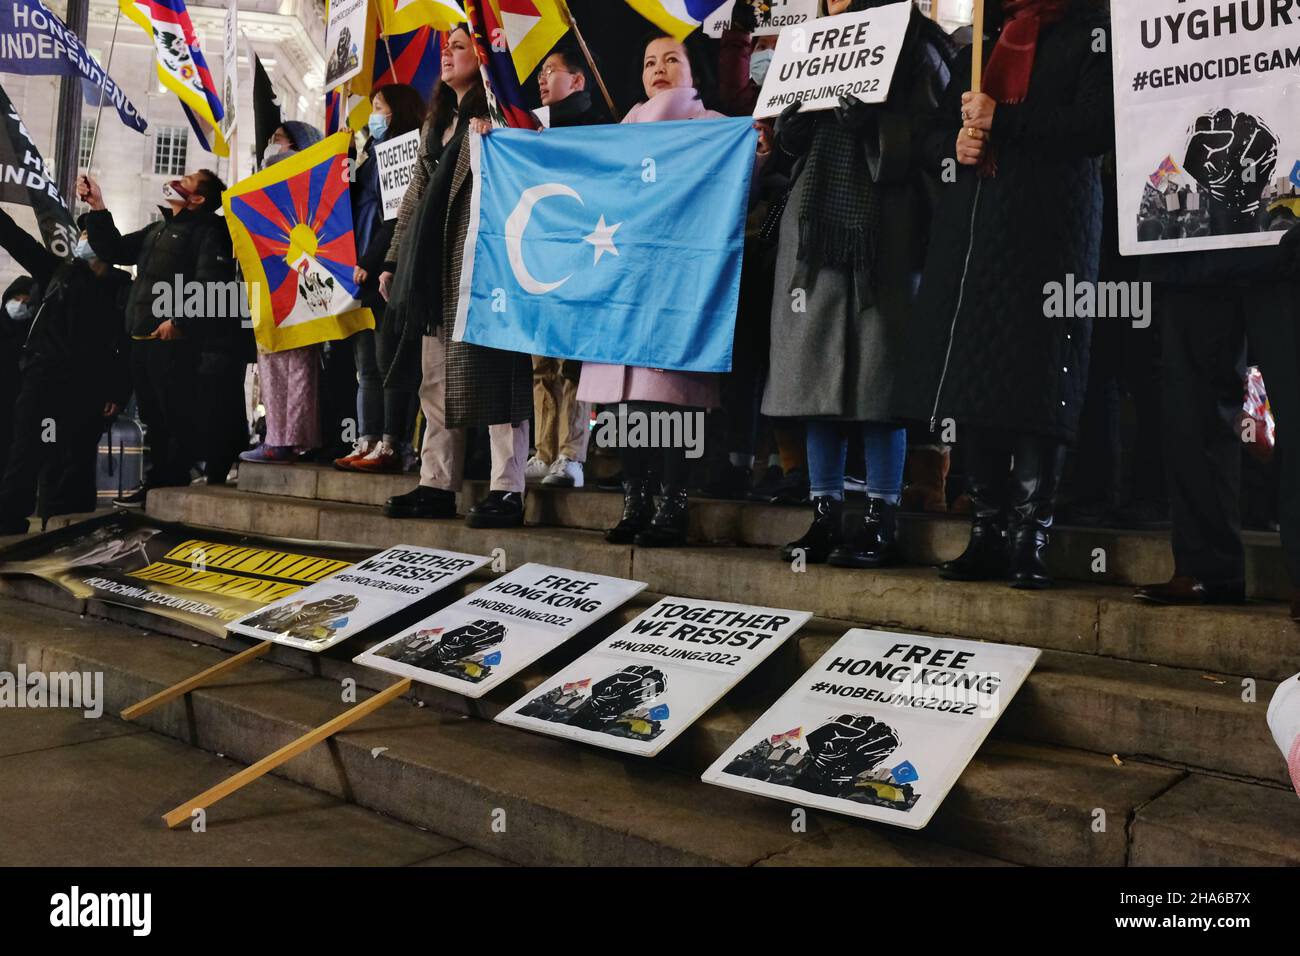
(547, 73)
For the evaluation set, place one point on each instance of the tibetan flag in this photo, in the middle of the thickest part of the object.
(292, 230)
(416, 61)
(1166, 169)
(678, 18)
(532, 28)
(333, 111)
(788, 735)
(403, 16)
(498, 68)
(182, 66)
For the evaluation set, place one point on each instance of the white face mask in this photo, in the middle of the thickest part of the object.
(272, 151)
(18, 311)
(759, 61)
(83, 250)
(175, 192)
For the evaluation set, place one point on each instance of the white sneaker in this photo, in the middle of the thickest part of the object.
(565, 473)
(536, 469)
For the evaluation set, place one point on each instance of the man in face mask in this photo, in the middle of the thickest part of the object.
(183, 263)
(71, 375)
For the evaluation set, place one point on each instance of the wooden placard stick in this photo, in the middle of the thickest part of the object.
(591, 62)
(198, 680)
(246, 776)
(977, 47)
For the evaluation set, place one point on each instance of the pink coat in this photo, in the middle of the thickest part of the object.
(625, 383)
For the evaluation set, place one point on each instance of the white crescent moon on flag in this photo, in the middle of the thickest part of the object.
(518, 223)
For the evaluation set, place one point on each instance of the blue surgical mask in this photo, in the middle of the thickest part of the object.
(378, 125)
(83, 250)
(18, 310)
(759, 61)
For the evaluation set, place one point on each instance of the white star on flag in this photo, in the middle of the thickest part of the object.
(603, 239)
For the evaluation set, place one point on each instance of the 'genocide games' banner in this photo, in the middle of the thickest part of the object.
(201, 577)
(880, 727)
(1207, 123)
(349, 601)
(473, 645)
(655, 676)
(853, 54)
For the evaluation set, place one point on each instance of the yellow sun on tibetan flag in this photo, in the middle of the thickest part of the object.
(403, 16)
(291, 225)
(532, 29)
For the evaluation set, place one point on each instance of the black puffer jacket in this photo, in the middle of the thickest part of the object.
(982, 352)
(192, 245)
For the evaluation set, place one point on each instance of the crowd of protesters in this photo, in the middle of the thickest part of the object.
(919, 233)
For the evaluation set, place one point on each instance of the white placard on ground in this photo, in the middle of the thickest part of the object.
(346, 603)
(655, 676)
(345, 39)
(474, 644)
(781, 13)
(1284, 722)
(853, 54)
(880, 727)
(396, 159)
(1207, 124)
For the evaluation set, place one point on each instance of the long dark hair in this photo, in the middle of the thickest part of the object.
(444, 108)
(701, 71)
(408, 106)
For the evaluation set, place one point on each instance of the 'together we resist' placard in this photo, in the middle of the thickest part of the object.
(471, 646)
(639, 688)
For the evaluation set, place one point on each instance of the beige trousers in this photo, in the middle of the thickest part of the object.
(442, 456)
(562, 420)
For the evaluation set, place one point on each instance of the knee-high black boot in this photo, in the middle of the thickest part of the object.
(985, 557)
(667, 529)
(1035, 478)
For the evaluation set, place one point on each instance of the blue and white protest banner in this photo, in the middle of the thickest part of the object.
(617, 244)
(35, 42)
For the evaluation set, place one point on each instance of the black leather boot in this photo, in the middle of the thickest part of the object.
(638, 509)
(668, 527)
(422, 503)
(824, 536)
(985, 557)
(871, 542)
(500, 509)
(1035, 478)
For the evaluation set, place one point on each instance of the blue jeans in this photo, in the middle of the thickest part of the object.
(828, 448)
(370, 386)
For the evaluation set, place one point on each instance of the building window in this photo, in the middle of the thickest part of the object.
(169, 146)
(84, 144)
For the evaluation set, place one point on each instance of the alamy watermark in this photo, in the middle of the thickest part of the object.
(1073, 299)
(181, 299)
(623, 427)
(77, 690)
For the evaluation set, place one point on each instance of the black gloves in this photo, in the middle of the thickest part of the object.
(794, 129)
(743, 17)
(855, 115)
(849, 746)
(461, 642)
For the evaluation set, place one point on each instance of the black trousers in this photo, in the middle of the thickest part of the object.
(165, 377)
(1206, 332)
(223, 417)
(57, 422)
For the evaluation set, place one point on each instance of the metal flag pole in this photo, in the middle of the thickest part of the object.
(99, 115)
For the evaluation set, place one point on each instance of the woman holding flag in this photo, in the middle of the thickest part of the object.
(462, 385)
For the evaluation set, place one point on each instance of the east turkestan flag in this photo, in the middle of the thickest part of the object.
(292, 229)
(182, 68)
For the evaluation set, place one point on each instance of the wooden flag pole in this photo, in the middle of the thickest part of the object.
(246, 776)
(591, 63)
(977, 47)
(198, 680)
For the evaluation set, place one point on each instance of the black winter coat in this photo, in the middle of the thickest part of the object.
(982, 351)
(78, 331)
(192, 245)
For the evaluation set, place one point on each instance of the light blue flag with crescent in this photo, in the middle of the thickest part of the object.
(615, 244)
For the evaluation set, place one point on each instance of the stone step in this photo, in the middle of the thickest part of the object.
(568, 803)
(1095, 556)
(1257, 640)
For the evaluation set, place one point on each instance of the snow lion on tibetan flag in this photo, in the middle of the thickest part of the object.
(291, 225)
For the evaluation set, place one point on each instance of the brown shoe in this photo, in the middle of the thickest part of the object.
(927, 470)
(1184, 590)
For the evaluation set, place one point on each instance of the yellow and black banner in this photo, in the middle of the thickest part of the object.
(205, 578)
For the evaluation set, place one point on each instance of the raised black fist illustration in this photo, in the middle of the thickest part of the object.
(848, 746)
(1232, 157)
(466, 640)
(619, 693)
